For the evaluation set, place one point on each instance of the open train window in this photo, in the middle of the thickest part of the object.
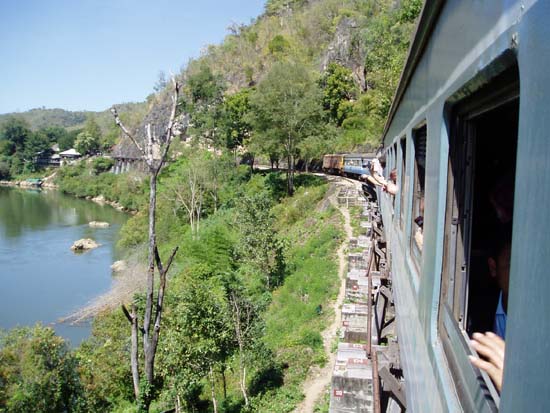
(403, 184)
(478, 228)
(419, 136)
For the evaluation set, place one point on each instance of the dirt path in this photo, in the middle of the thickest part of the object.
(319, 378)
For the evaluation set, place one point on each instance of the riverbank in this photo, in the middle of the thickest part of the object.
(28, 185)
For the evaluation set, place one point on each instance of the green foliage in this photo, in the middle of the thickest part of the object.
(38, 372)
(259, 244)
(338, 87)
(277, 6)
(103, 363)
(236, 109)
(4, 170)
(15, 131)
(279, 45)
(286, 110)
(86, 143)
(101, 165)
(203, 96)
(79, 180)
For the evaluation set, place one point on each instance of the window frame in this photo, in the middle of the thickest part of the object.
(457, 236)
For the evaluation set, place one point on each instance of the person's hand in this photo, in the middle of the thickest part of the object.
(490, 346)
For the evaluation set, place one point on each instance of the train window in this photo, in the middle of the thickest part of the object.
(478, 223)
(403, 184)
(417, 232)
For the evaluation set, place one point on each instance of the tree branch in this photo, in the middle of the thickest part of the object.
(126, 131)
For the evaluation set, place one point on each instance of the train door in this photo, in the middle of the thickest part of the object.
(478, 228)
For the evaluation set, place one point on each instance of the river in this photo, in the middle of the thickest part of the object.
(41, 279)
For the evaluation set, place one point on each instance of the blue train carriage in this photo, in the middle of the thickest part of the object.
(467, 133)
(357, 164)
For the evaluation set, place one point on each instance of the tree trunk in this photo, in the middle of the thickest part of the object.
(224, 380)
(212, 391)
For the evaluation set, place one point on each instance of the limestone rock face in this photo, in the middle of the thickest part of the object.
(98, 224)
(84, 244)
(119, 266)
(347, 49)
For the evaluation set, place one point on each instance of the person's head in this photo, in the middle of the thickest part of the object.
(499, 259)
(393, 175)
(382, 160)
(502, 198)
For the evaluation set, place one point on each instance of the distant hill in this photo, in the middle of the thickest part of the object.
(42, 117)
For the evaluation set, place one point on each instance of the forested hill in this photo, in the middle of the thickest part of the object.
(40, 118)
(352, 50)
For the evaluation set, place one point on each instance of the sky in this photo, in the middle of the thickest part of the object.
(90, 54)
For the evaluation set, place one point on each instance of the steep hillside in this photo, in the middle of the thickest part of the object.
(353, 49)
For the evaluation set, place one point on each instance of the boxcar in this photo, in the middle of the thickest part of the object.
(333, 163)
(472, 112)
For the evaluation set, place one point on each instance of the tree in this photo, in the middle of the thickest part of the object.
(259, 245)
(92, 128)
(15, 132)
(36, 144)
(38, 372)
(286, 109)
(244, 315)
(203, 101)
(235, 119)
(186, 189)
(86, 143)
(338, 87)
(155, 154)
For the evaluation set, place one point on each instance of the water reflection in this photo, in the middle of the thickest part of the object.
(42, 279)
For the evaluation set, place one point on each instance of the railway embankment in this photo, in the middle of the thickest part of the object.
(361, 341)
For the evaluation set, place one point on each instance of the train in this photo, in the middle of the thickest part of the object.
(352, 165)
(467, 133)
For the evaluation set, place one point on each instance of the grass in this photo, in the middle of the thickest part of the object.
(293, 320)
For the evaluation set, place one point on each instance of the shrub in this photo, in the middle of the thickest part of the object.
(101, 165)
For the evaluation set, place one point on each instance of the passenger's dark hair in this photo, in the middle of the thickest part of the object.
(501, 238)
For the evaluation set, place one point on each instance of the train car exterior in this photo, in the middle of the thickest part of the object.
(333, 163)
(356, 165)
(472, 110)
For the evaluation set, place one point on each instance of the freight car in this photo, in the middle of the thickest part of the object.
(352, 165)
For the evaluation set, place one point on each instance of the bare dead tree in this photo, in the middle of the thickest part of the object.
(154, 154)
(242, 314)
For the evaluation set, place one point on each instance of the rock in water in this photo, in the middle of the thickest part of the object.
(84, 244)
(99, 224)
(119, 266)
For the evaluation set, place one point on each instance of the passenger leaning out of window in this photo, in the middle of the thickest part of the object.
(491, 345)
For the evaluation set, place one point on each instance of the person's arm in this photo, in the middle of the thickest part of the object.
(492, 347)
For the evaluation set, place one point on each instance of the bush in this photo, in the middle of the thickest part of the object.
(38, 372)
(101, 165)
(4, 170)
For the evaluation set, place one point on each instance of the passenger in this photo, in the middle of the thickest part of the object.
(499, 268)
(491, 345)
(377, 171)
(391, 185)
(419, 220)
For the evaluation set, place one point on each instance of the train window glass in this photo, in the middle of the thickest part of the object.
(403, 184)
(417, 232)
(478, 221)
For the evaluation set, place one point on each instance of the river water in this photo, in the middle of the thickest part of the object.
(41, 279)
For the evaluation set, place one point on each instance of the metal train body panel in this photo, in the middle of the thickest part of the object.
(356, 164)
(468, 43)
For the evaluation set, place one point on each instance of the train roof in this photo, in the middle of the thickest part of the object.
(426, 22)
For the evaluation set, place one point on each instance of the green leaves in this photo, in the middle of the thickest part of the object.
(38, 372)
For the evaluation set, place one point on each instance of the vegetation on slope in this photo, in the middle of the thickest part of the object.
(256, 268)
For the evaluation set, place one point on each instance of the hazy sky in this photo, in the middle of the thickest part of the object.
(89, 54)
